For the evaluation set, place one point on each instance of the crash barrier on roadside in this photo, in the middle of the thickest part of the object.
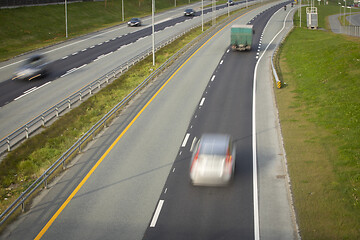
(278, 81)
(102, 123)
(351, 30)
(23, 132)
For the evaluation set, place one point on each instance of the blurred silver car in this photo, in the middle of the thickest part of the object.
(213, 160)
(34, 67)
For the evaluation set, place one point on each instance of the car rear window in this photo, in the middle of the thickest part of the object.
(213, 148)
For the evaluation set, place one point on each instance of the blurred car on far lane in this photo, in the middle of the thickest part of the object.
(189, 12)
(134, 22)
(213, 160)
(36, 66)
(230, 3)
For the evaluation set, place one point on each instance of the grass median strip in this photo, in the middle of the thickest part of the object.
(27, 28)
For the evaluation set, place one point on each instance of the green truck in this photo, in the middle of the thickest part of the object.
(241, 37)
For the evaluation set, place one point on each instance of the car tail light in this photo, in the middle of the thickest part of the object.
(195, 158)
(228, 160)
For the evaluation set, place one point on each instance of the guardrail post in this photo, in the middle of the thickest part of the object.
(63, 165)
(26, 131)
(43, 120)
(99, 84)
(22, 204)
(45, 182)
(69, 103)
(80, 96)
(8, 143)
(90, 90)
(107, 79)
(57, 111)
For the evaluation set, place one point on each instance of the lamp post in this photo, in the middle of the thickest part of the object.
(340, 16)
(344, 15)
(300, 13)
(153, 30)
(122, 10)
(66, 25)
(350, 13)
(213, 11)
(202, 15)
(228, 8)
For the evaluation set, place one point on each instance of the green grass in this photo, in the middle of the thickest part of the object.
(320, 112)
(323, 11)
(28, 28)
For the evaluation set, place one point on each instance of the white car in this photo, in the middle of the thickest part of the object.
(213, 160)
(34, 67)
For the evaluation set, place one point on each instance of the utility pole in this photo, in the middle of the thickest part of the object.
(153, 31)
(202, 15)
(66, 24)
(122, 10)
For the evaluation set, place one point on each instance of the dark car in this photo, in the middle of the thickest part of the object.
(189, 12)
(230, 3)
(36, 66)
(213, 160)
(134, 22)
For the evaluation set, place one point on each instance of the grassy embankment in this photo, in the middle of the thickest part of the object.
(28, 28)
(319, 110)
(25, 163)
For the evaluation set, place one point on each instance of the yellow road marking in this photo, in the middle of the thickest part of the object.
(46, 227)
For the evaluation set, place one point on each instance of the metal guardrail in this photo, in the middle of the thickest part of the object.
(89, 135)
(23, 132)
(53, 112)
(351, 30)
(277, 80)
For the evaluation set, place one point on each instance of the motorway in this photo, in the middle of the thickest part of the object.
(77, 62)
(132, 182)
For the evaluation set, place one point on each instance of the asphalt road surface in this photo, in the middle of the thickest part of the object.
(77, 62)
(143, 159)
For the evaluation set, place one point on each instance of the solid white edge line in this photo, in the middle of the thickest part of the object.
(31, 90)
(202, 101)
(255, 184)
(185, 140)
(157, 213)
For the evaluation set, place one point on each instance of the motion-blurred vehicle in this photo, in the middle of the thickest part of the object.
(213, 160)
(36, 66)
(230, 3)
(134, 22)
(189, 12)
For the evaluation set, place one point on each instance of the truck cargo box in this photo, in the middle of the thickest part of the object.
(241, 37)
